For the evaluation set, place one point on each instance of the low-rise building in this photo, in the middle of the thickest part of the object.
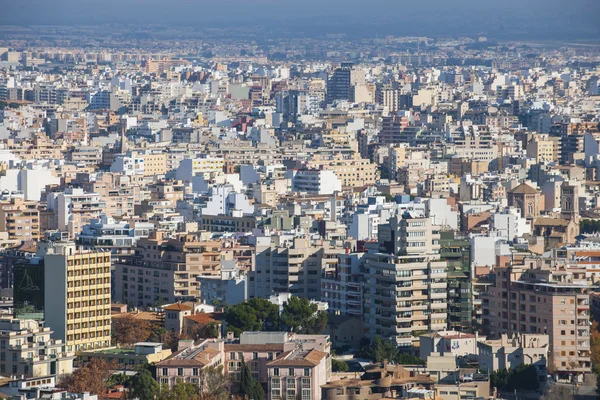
(141, 353)
(509, 352)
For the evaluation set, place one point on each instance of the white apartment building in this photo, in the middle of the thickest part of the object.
(316, 182)
(404, 295)
(26, 349)
(342, 289)
(74, 209)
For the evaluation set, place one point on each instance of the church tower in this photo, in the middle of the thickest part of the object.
(569, 202)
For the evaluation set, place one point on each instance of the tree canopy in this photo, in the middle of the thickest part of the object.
(127, 330)
(339, 366)
(523, 377)
(250, 388)
(91, 377)
(301, 316)
(143, 386)
(380, 350)
(254, 315)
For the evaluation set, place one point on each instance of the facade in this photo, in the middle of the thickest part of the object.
(295, 266)
(140, 354)
(316, 182)
(26, 349)
(341, 82)
(381, 382)
(351, 170)
(280, 361)
(456, 343)
(230, 287)
(225, 223)
(74, 209)
(510, 352)
(165, 270)
(405, 295)
(518, 304)
(77, 294)
(342, 288)
(20, 219)
(120, 237)
(526, 199)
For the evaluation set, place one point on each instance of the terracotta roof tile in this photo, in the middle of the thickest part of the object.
(178, 307)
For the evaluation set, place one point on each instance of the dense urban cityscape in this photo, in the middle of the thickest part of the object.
(220, 213)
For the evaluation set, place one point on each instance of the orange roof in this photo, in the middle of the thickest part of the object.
(178, 307)
(203, 318)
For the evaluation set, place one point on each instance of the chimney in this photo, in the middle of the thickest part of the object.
(230, 335)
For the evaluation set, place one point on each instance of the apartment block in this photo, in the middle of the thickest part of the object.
(27, 350)
(20, 219)
(520, 301)
(77, 294)
(291, 265)
(509, 352)
(165, 270)
(342, 288)
(404, 296)
(74, 209)
(286, 364)
(351, 170)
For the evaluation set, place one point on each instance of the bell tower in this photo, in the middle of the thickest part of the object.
(569, 202)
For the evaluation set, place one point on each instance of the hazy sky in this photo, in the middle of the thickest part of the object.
(572, 18)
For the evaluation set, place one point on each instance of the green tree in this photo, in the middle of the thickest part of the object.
(181, 391)
(499, 379)
(407, 359)
(339, 366)
(143, 386)
(380, 350)
(301, 316)
(250, 388)
(254, 315)
(523, 377)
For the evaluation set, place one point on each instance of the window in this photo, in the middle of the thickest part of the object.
(305, 383)
(339, 391)
(255, 356)
(180, 371)
(232, 356)
(305, 394)
(306, 371)
(290, 383)
(195, 371)
(270, 356)
(291, 372)
(275, 371)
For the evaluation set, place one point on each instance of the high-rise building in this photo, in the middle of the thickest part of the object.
(75, 209)
(532, 300)
(28, 289)
(342, 288)
(340, 84)
(76, 294)
(405, 296)
(165, 270)
(295, 266)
